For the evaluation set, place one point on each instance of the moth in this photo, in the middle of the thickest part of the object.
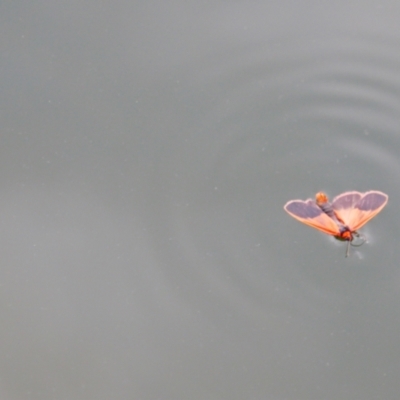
(340, 218)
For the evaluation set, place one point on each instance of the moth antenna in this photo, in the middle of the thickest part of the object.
(359, 236)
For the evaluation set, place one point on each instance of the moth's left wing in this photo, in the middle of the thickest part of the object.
(355, 209)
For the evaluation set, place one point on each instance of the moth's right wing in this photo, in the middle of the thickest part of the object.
(310, 214)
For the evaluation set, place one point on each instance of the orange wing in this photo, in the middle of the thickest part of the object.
(310, 214)
(355, 209)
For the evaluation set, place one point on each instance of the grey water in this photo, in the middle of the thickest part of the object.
(147, 151)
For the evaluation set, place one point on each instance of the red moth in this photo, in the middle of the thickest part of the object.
(348, 212)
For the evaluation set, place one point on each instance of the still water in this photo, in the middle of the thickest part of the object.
(147, 152)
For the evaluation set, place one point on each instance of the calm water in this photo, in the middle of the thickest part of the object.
(147, 152)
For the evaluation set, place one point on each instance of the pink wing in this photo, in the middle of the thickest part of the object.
(355, 209)
(310, 214)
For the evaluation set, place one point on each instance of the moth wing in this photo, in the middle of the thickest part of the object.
(356, 213)
(344, 206)
(310, 214)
